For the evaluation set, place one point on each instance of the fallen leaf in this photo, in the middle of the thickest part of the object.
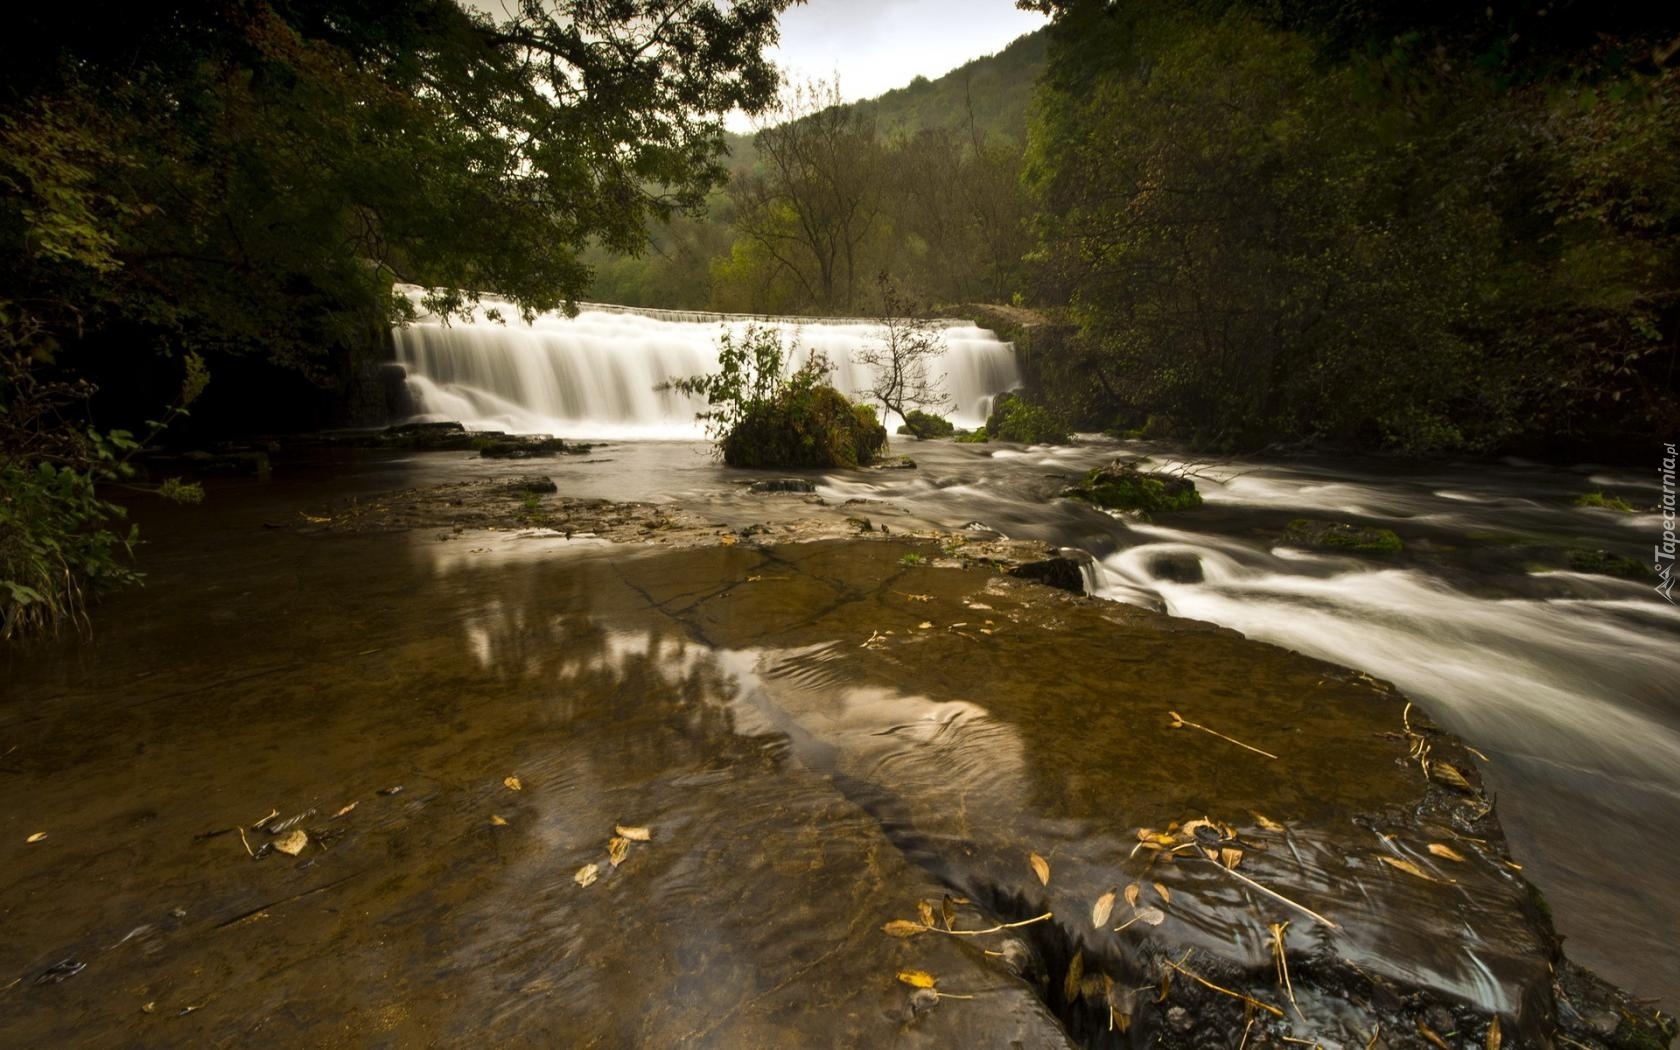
(37, 837)
(924, 625)
(1494, 1036)
(292, 842)
(948, 910)
(1151, 916)
(925, 909)
(918, 978)
(1450, 776)
(727, 541)
(1410, 869)
(497, 822)
(345, 810)
(512, 784)
(1446, 852)
(1166, 898)
(1104, 907)
(633, 834)
(1132, 894)
(1513, 865)
(1230, 857)
(149, 1008)
(1434, 1040)
(1267, 822)
(903, 928)
(618, 847)
(587, 874)
(1075, 974)
(1040, 867)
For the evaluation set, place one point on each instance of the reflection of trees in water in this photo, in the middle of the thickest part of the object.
(585, 655)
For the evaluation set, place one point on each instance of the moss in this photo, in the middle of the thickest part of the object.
(815, 427)
(972, 437)
(913, 559)
(926, 425)
(1604, 563)
(1604, 501)
(1013, 418)
(1120, 487)
(1342, 536)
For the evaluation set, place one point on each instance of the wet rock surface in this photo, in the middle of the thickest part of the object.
(817, 737)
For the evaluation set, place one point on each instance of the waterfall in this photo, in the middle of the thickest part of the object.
(597, 375)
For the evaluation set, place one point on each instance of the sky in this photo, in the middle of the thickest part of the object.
(877, 45)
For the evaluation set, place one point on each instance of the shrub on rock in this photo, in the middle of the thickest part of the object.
(1120, 486)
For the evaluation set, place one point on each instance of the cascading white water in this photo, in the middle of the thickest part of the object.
(599, 374)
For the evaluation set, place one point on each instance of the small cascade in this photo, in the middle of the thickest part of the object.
(600, 374)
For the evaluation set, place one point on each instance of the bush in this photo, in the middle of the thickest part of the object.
(1120, 487)
(1013, 418)
(926, 425)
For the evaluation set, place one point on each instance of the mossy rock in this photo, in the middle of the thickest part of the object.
(1120, 486)
(1337, 535)
(1604, 563)
(818, 428)
(926, 425)
(1604, 501)
(972, 437)
(1014, 418)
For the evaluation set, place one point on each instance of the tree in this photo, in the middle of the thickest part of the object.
(813, 205)
(901, 358)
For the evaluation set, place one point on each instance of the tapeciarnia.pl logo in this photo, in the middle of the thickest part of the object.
(1663, 558)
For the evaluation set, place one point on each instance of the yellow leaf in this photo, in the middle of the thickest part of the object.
(1132, 894)
(1446, 852)
(1410, 869)
(37, 837)
(1267, 822)
(925, 908)
(918, 978)
(1104, 907)
(1040, 867)
(587, 874)
(618, 848)
(727, 541)
(924, 625)
(1450, 776)
(1494, 1036)
(633, 834)
(497, 822)
(1075, 974)
(292, 842)
(1230, 857)
(903, 928)
(1166, 898)
(512, 783)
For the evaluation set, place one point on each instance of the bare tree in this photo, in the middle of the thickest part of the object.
(909, 345)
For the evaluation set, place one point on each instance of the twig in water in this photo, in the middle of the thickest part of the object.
(1278, 931)
(247, 842)
(1275, 895)
(1205, 983)
(994, 929)
(1180, 720)
(1246, 1028)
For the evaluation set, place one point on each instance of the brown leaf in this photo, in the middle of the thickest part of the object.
(292, 842)
(1446, 852)
(1104, 907)
(37, 837)
(1075, 974)
(924, 625)
(633, 834)
(926, 910)
(1160, 888)
(1267, 822)
(948, 911)
(618, 847)
(498, 822)
(1230, 857)
(903, 928)
(1132, 894)
(1494, 1036)
(1450, 776)
(1429, 1034)
(1410, 869)
(587, 874)
(918, 978)
(1040, 867)
(512, 783)
(1151, 916)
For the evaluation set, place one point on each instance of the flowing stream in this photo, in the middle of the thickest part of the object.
(1565, 680)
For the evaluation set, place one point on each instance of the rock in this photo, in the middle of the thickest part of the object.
(1606, 563)
(782, 485)
(1333, 535)
(1179, 1019)
(1121, 486)
(523, 446)
(1176, 567)
(532, 483)
(926, 425)
(1063, 573)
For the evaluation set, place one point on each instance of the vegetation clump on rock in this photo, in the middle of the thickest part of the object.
(1342, 536)
(1014, 418)
(926, 425)
(762, 416)
(1121, 486)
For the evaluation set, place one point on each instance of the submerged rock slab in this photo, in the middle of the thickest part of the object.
(817, 737)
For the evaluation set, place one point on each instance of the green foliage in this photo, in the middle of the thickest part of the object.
(1606, 563)
(761, 416)
(1014, 418)
(1342, 536)
(1120, 487)
(1604, 501)
(972, 437)
(926, 425)
(912, 559)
